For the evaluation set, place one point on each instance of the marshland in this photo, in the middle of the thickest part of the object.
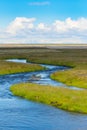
(70, 103)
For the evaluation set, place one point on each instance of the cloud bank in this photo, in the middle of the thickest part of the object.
(28, 30)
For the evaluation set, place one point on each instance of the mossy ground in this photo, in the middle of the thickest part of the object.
(70, 100)
(75, 58)
(73, 77)
(11, 67)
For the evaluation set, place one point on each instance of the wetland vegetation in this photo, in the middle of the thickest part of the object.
(74, 58)
(7, 67)
(63, 98)
(67, 99)
(73, 77)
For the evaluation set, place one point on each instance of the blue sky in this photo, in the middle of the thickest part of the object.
(48, 14)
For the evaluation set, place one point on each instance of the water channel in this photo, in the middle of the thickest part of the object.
(20, 114)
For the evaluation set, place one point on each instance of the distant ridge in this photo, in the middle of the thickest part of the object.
(44, 45)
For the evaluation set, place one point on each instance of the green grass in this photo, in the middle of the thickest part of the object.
(70, 100)
(67, 57)
(74, 77)
(75, 58)
(66, 99)
(11, 67)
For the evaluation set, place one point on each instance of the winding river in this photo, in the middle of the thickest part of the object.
(20, 114)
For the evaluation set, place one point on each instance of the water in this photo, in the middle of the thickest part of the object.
(17, 60)
(20, 114)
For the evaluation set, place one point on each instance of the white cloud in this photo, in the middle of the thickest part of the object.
(44, 3)
(69, 24)
(19, 24)
(27, 30)
(42, 27)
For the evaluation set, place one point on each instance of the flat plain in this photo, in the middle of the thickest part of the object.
(75, 58)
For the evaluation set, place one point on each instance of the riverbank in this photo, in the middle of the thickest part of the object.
(17, 113)
(74, 58)
(74, 77)
(63, 98)
(7, 67)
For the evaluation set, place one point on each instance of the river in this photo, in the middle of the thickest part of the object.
(20, 114)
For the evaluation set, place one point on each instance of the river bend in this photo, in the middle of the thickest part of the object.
(20, 114)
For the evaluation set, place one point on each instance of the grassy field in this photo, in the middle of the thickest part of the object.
(11, 67)
(75, 58)
(66, 99)
(74, 77)
(67, 57)
(70, 100)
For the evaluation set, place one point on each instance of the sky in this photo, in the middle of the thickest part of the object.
(43, 21)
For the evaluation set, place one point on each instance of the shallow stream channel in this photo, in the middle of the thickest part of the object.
(20, 114)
